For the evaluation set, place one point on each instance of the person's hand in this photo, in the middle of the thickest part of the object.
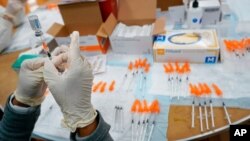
(60, 50)
(72, 88)
(31, 85)
(58, 61)
(15, 11)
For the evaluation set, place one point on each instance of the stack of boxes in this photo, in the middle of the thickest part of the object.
(132, 31)
(136, 13)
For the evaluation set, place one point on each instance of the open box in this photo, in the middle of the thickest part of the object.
(86, 18)
(134, 12)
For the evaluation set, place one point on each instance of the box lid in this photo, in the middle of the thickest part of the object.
(102, 32)
(110, 24)
(138, 12)
(159, 27)
(58, 30)
(82, 16)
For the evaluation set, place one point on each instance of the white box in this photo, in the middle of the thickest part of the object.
(132, 45)
(194, 46)
(211, 11)
(130, 15)
(177, 13)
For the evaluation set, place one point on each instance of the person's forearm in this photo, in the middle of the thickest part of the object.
(98, 131)
(18, 124)
(88, 130)
(17, 103)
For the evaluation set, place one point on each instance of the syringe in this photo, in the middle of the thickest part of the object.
(36, 26)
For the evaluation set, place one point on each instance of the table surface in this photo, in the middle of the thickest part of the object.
(180, 122)
(106, 102)
(8, 77)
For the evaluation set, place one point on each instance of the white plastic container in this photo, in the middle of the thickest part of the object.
(194, 16)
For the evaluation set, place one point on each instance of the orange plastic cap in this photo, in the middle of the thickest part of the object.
(136, 64)
(145, 107)
(95, 88)
(207, 89)
(112, 86)
(130, 66)
(144, 62)
(171, 68)
(102, 90)
(217, 90)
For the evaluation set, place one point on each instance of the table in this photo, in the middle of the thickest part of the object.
(210, 73)
(8, 77)
(50, 119)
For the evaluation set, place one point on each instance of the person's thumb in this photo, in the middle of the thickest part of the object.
(74, 50)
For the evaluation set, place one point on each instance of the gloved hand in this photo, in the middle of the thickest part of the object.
(58, 61)
(31, 85)
(5, 33)
(60, 50)
(72, 88)
(15, 11)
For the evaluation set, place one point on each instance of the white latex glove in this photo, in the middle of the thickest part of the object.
(15, 11)
(5, 33)
(60, 50)
(31, 85)
(72, 88)
(59, 62)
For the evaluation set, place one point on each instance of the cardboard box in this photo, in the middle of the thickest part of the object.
(86, 18)
(165, 4)
(107, 7)
(195, 46)
(134, 12)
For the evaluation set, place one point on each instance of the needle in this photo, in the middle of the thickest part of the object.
(167, 70)
(145, 110)
(203, 90)
(177, 70)
(171, 71)
(115, 115)
(140, 64)
(208, 92)
(155, 108)
(198, 93)
(130, 68)
(212, 113)
(135, 108)
(143, 65)
(219, 93)
(226, 112)
(181, 72)
(134, 74)
(187, 71)
(192, 92)
(146, 71)
(200, 112)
